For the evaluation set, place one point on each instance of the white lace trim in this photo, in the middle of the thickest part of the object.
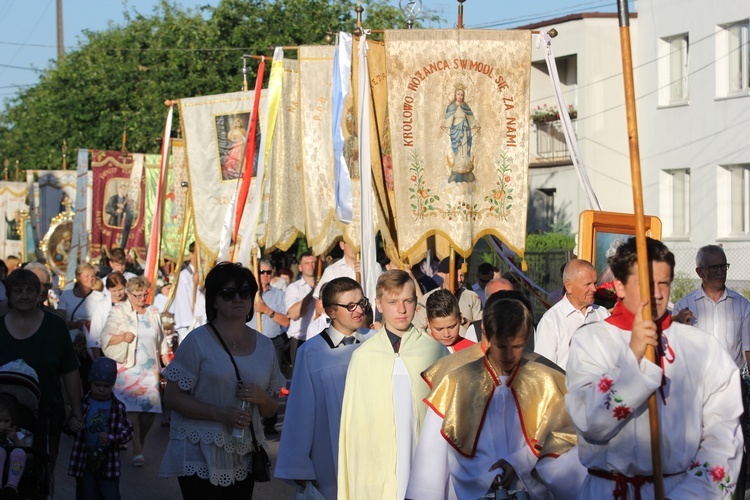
(217, 438)
(184, 381)
(219, 478)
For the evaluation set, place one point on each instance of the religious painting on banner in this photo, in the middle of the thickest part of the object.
(172, 225)
(458, 102)
(14, 210)
(118, 202)
(213, 174)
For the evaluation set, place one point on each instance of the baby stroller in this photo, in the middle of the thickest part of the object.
(20, 383)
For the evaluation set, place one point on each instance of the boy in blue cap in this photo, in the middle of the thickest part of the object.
(95, 458)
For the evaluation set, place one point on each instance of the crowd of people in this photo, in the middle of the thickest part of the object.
(421, 392)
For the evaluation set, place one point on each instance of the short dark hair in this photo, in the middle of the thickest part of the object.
(18, 278)
(510, 294)
(334, 288)
(442, 304)
(115, 279)
(506, 318)
(191, 247)
(118, 255)
(626, 257)
(485, 268)
(222, 274)
(305, 254)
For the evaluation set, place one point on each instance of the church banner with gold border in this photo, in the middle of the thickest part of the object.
(118, 202)
(13, 201)
(458, 103)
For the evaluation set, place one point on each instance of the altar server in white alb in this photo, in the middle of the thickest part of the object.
(609, 381)
(308, 451)
(501, 413)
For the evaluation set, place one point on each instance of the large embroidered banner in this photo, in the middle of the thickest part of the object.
(215, 128)
(79, 245)
(171, 233)
(286, 205)
(316, 80)
(118, 202)
(13, 200)
(458, 103)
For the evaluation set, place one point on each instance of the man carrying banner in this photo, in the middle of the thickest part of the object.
(609, 382)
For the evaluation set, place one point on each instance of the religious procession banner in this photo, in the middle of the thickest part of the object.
(118, 202)
(56, 189)
(316, 80)
(14, 215)
(79, 245)
(215, 129)
(176, 199)
(286, 206)
(458, 103)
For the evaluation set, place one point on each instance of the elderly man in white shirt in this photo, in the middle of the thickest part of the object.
(576, 308)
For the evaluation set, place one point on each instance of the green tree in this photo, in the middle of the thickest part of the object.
(120, 77)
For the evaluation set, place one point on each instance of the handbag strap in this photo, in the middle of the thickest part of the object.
(224, 345)
(72, 315)
(239, 378)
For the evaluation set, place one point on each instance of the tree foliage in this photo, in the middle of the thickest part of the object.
(120, 77)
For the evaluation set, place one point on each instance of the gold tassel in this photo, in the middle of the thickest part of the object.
(524, 265)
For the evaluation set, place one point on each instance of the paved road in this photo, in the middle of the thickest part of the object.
(144, 483)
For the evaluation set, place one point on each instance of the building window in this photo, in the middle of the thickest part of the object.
(733, 59)
(673, 70)
(733, 200)
(674, 203)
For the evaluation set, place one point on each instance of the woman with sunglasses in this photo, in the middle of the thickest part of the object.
(224, 378)
(133, 336)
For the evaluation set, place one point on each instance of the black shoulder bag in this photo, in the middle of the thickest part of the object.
(260, 465)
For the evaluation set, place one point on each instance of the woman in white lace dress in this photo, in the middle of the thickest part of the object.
(203, 392)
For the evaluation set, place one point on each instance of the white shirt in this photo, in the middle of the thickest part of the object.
(294, 293)
(555, 329)
(479, 291)
(607, 401)
(728, 319)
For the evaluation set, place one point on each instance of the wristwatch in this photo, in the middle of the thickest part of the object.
(273, 313)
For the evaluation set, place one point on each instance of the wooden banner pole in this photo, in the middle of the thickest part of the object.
(640, 231)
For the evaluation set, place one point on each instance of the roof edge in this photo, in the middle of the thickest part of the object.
(574, 17)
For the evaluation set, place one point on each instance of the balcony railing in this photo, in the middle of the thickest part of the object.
(550, 141)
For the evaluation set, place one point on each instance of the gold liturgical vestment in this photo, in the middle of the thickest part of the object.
(461, 397)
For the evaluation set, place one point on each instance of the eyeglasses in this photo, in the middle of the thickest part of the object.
(352, 306)
(716, 268)
(265, 271)
(139, 295)
(229, 293)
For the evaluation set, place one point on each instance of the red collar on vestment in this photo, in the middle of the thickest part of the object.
(622, 318)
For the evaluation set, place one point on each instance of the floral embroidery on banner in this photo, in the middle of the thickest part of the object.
(612, 401)
(717, 474)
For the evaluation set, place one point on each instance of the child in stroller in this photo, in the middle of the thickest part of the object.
(23, 453)
(10, 439)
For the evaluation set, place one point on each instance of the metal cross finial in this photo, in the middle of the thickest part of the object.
(410, 9)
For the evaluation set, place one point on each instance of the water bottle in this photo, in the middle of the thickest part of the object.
(238, 435)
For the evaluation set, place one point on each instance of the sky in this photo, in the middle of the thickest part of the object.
(28, 36)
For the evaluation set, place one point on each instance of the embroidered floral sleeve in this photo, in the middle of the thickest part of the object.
(716, 474)
(612, 401)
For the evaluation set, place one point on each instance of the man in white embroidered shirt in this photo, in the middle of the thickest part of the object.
(576, 308)
(609, 382)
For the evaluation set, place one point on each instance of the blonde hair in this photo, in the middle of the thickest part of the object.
(393, 281)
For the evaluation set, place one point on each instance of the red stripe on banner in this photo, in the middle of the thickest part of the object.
(152, 256)
(247, 173)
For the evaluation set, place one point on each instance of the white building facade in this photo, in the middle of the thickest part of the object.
(694, 122)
